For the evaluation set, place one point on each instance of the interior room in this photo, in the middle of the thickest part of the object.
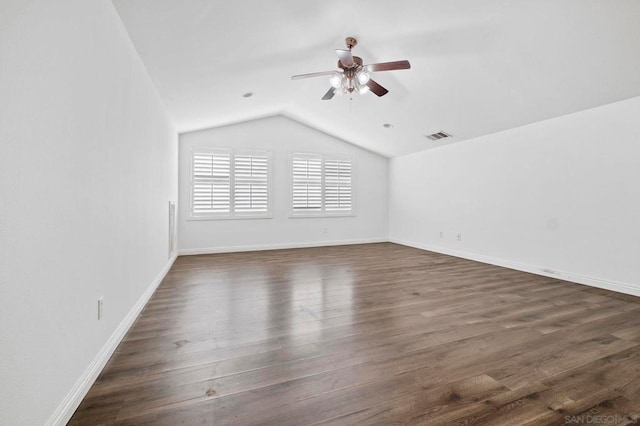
(293, 213)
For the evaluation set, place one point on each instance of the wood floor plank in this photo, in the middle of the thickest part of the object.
(369, 334)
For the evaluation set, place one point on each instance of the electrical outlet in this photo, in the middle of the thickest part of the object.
(324, 230)
(441, 234)
(100, 307)
(459, 236)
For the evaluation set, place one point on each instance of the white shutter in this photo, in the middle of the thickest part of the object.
(337, 186)
(211, 183)
(306, 191)
(251, 183)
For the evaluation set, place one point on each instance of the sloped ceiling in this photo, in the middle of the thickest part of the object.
(478, 66)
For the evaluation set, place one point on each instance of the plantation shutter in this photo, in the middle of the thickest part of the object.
(306, 183)
(211, 185)
(337, 186)
(251, 183)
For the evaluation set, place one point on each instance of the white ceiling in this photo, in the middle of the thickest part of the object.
(478, 66)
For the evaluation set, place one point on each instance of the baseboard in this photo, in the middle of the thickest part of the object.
(278, 246)
(619, 287)
(73, 399)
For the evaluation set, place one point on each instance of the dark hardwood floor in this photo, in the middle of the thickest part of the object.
(370, 334)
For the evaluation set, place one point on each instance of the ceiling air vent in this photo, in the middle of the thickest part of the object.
(439, 135)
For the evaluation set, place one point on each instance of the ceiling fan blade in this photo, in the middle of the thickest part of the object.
(313, 74)
(329, 94)
(346, 58)
(388, 66)
(376, 88)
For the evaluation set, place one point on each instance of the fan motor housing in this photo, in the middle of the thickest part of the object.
(357, 64)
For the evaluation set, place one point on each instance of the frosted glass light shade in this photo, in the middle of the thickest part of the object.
(363, 78)
(335, 81)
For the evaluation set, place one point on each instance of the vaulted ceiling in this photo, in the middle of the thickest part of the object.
(478, 66)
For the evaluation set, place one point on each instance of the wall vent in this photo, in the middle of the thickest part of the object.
(439, 135)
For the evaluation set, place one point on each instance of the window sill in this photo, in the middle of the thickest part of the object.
(195, 219)
(320, 215)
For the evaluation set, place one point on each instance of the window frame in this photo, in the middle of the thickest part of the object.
(323, 212)
(232, 214)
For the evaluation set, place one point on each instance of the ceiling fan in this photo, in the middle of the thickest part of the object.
(351, 76)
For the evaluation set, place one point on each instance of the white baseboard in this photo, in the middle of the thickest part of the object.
(278, 246)
(620, 287)
(79, 390)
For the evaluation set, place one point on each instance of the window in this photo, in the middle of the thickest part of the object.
(251, 184)
(307, 184)
(228, 184)
(337, 185)
(211, 183)
(321, 185)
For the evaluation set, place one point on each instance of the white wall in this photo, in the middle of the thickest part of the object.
(282, 136)
(559, 197)
(88, 162)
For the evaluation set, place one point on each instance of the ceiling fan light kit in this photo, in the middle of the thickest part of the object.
(352, 76)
